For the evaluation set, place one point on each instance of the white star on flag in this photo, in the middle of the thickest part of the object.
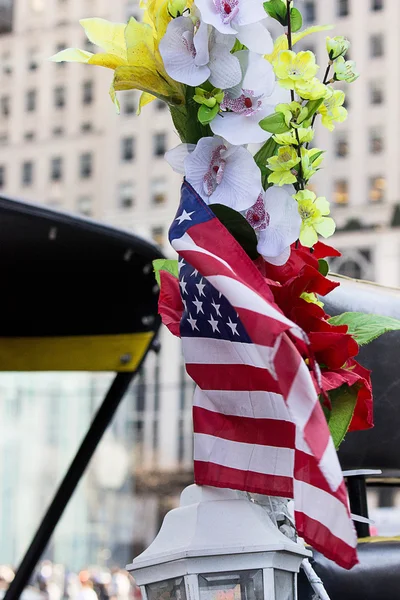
(200, 286)
(233, 327)
(198, 305)
(217, 307)
(214, 324)
(194, 273)
(181, 263)
(192, 322)
(183, 285)
(184, 217)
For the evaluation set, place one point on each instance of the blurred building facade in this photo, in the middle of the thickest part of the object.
(62, 144)
(362, 179)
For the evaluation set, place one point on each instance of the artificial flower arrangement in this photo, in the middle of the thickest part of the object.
(228, 85)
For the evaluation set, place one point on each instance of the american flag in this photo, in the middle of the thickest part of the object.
(258, 423)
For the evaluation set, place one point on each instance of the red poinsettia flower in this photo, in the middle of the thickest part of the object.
(170, 305)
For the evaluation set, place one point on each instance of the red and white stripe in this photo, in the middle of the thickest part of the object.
(258, 423)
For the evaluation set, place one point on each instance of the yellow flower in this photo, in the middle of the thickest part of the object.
(281, 42)
(345, 70)
(290, 138)
(290, 111)
(337, 46)
(131, 52)
(331, 109)
(310, 161)
(311, 298)
(311, 90)
(282, 165)
(291, 68)
(313, 212)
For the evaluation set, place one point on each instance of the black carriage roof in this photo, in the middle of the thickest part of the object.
(75, 294)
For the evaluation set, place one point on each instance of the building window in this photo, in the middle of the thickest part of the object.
(129, 103)
(343, 8)
(125, 195)
(375, 140)
(351, 268)
(341, 192)
(3, 138)
(158, 190)
(85, 165)
(86, 127)
(377, 187)
(58, 131)
(33, 62)
(56, 169)
(87, 92)
(59, 48)
(157, 233)
(29, 136)
(59, 96)
(5, 105)
(376, 45)
(342, 145)
(309, 11)
(27, 173)
(159, 144)
(30, 100)
(127, 149)
(376, 92)
(84, 206)
(2, 176)
(160, 105)
(377, 5)
(6, 62)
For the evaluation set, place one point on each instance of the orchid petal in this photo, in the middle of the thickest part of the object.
(210, 15)
(200, 42)
(240, 129)
(277, 261)
(198, 163)
(258, 74)
(284, 221)
(179, 61)
(176, 157)
(224, 67)
(256, 38)
(250, 11)
(241, 182)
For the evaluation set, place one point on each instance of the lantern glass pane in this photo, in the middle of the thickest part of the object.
(239, 585)
(170, 589)
(284, 585)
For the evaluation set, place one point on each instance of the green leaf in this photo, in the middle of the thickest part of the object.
(312, 106)
(323, 267)
(275, 123)
(364, 327)
(206, 115)
(343, 401)
(277, 10)
(296, 19)
(164, 264)
(315, 156)
(269, 149)
(238, 227)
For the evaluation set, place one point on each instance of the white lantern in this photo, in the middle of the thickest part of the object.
(218, 545)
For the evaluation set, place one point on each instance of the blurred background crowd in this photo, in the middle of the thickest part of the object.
(55, 582)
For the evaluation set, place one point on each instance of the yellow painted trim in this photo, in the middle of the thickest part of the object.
(74, 353)
(377, 539)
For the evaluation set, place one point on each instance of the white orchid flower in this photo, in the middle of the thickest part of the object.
(276, 220)
(193, 54)
(244, 19)
(253, 99)
(220, 173)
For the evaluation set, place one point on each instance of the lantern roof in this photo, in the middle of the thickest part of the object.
(215, 522)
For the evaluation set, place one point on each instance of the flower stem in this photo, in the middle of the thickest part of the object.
(290, 46)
